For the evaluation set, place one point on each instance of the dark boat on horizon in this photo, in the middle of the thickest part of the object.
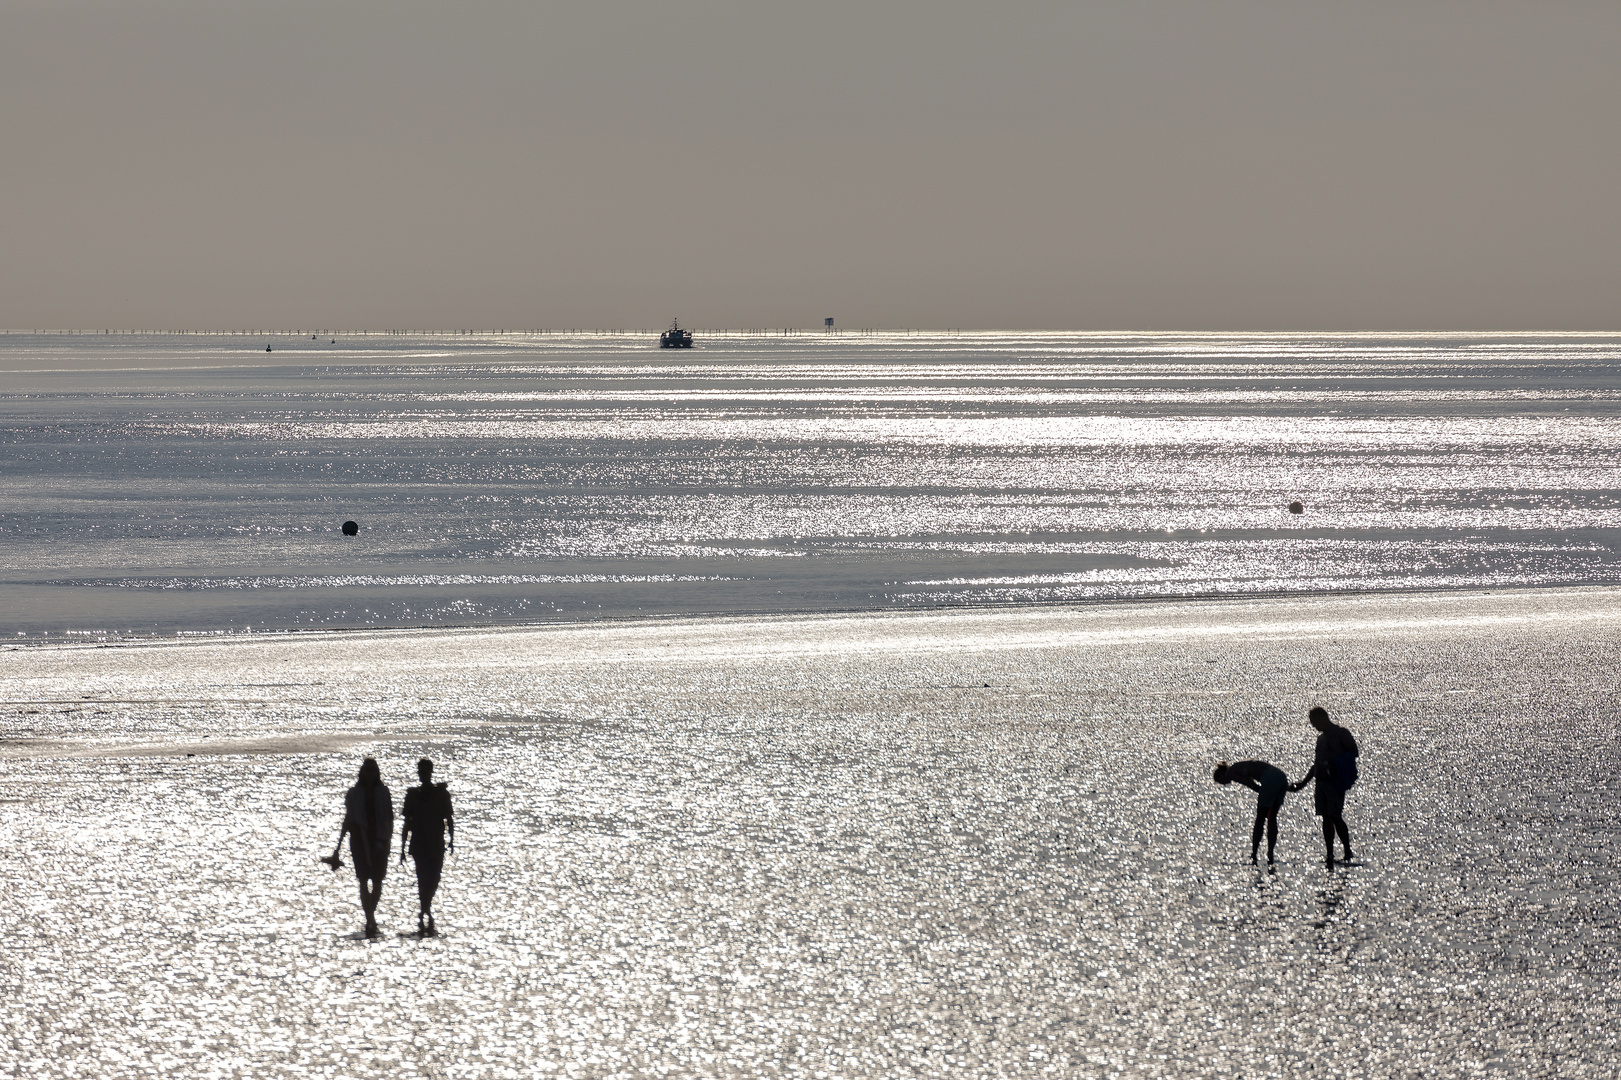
(675, 337)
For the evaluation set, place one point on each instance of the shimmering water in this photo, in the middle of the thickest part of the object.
(153, 485)
(913, 841)
(962, 843)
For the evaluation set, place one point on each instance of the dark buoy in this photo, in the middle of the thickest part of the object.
(1297, 507)
(350, 528)
(267, 348)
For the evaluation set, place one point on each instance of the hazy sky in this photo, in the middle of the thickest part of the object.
(1197, 164)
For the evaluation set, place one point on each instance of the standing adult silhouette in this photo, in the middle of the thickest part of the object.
(427, 818)
(368, 818)
(1333, 768)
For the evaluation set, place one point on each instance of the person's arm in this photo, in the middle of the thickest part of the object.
(1253, 785)
(450, 822)
(1311, 772)
(342, 831)
(405, 828)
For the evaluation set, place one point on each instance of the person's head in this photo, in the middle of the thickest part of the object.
(1220, 775)
(425, 770)
(370, 774)
(1318, 717)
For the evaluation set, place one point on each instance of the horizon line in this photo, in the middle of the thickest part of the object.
(793, 331)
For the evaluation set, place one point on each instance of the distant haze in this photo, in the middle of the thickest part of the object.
(1092, 166)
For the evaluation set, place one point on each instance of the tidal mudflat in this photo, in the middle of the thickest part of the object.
(959, 843)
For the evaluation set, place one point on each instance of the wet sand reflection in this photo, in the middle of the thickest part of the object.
(965, 843)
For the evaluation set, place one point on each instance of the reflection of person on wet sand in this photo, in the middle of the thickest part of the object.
(368, 818)
(427, 817)
(1334, 769)
(1269, 784)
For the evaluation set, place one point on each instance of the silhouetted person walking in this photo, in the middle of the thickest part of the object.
(368, 818)
(1269, 783)
(1333, 767)
(427, 816)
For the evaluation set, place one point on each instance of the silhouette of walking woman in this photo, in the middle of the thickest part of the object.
(1268, 783)
(1334, 769)
(368, 818)
(427, 817)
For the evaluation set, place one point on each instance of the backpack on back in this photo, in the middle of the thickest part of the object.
(1345, 770)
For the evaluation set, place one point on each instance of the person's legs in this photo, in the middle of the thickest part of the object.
(430, 865)
(371, 890)
(1255, 833)
(1272, 832)
(1330, 803)
(1345, 837)
(427, 885)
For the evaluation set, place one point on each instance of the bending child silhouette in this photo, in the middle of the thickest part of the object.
(1334, 768)
(1269, 784)
(427, 817)
(368, 818)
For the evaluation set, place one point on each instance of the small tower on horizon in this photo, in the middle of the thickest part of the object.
(827, 325)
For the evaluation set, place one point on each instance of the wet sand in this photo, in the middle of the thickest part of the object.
(952, 843)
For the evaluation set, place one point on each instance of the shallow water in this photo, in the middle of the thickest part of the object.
(913, 844)
(188, 484)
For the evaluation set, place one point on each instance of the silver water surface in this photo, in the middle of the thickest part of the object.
(196, 484)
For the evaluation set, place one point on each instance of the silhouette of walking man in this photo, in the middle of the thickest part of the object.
(1334, 769)
(427, 818)
(1268, 783)
(368, 818)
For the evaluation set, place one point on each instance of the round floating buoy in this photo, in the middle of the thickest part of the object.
(1297, 507)
(267, 348)
(350, 528)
